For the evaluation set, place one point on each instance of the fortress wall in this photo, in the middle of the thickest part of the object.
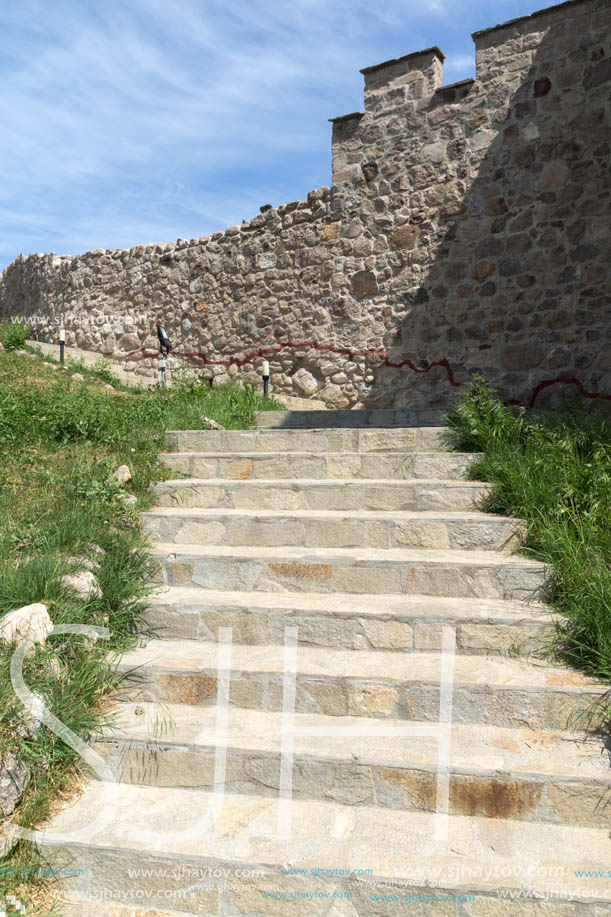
(466, 231)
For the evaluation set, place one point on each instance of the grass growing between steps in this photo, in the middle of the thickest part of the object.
(552, 469)
(60, 439)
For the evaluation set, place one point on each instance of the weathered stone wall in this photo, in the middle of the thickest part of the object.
(466, 231)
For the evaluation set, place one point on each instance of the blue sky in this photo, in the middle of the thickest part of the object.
(144, 120)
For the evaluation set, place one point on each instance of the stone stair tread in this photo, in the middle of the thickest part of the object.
(432, 428)
(325, 834)
(335, 514)
(191, 656)
(333, 439)
(473, 749)
(309, 417)
(388, 605)
(401, 454)
(243, 464)
(296, 483)
(302, 555)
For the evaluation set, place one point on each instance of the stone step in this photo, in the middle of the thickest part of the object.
(494, 772)
(362, 845)
(476, 574)
(402, 623)
(400, 439)
(314, 465)
(93, 906)
(324, 529)
(495, 690)
(372, 495)
(321, 419)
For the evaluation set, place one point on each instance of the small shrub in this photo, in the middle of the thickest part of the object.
(103, 371)
(13, 335)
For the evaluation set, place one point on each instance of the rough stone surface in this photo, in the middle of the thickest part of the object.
(83, 583)
(209, 424)
(30, 621)
(464, 232)
(389, 843)
(14, 777)
(320, 528)
(122, 474)
(304, 382)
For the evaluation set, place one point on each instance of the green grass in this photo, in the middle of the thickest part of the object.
(552, 469)
(13, 335)
(60, 439)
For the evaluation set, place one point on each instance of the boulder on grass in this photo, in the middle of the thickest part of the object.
(83, 583)
(30, 621)
(14, 778)
(32, 719)
(122, 474)
(209, 424)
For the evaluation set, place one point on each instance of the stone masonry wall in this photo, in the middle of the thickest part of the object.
(466, 231)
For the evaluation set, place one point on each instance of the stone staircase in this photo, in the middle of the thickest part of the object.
(417, 632)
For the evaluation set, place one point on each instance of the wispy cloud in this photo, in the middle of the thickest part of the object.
(140, 120)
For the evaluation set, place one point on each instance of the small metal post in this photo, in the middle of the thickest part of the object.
(62, 344)
(164, 349)
(265, 374)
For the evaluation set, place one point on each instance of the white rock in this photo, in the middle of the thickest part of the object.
(304, 381)
(530, 131)
(210, 424)
(128, 499)
(122, 474)
(77, 377)
(14, 778)
(54, 667)
(29, 621)
(33, 718)
(83, 583)
(82, 563)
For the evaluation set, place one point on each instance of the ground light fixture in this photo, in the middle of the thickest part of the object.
(265, 374)
(62, 344)
(165, 346)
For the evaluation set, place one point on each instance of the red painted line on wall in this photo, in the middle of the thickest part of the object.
(565, 380)
(340, 351)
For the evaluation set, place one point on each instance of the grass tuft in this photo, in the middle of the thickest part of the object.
(552, 469)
